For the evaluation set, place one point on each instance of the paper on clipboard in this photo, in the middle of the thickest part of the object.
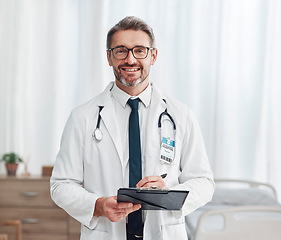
(153, 199)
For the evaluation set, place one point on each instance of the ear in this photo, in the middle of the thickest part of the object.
(154, 56)
(109, 58)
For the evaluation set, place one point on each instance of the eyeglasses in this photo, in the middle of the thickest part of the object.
(121, 53)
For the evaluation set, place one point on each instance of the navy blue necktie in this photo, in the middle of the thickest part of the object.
(135, 172)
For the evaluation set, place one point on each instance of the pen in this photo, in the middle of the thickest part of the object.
(163, 175)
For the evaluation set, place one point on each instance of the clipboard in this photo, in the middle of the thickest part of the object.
(153, 199)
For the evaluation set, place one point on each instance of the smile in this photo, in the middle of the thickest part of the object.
(130, 69)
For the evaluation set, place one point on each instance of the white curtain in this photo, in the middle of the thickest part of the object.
(221, 57)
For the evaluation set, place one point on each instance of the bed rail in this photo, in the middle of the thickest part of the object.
(246, 226)
(247, 183)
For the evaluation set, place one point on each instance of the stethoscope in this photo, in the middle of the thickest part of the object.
(165, 113)
(98, 133)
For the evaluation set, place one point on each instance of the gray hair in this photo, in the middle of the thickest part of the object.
(130, 23)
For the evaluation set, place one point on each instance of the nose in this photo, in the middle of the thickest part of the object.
(130, 58)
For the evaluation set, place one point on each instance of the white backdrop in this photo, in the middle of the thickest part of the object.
(221, 57)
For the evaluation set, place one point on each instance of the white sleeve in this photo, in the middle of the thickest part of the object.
(66, 183)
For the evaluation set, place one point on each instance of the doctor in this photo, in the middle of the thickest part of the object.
(93, 160)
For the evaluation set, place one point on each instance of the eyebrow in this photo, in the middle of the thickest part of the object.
(127, 47)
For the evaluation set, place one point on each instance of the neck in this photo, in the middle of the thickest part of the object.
(134, 90)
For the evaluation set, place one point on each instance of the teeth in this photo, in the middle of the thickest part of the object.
(131, 70)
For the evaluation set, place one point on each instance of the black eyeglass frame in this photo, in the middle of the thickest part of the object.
(130, 49)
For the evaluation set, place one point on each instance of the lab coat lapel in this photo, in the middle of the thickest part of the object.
(152, 146)
(109, 118)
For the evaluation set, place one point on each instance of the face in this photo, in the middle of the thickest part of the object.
(131, 72)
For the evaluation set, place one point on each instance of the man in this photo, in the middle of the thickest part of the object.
(100, 153)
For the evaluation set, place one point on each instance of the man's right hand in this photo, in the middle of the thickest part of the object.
(114, 211)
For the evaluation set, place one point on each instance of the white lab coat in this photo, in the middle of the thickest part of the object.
(100, 167)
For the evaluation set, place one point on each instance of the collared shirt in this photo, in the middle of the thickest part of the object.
(123, 111)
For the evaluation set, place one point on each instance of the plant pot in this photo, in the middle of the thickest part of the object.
(11, 168)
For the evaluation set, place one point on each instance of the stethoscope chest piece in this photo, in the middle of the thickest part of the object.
(97, 134)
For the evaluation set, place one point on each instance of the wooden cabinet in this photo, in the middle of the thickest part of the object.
(28, 199)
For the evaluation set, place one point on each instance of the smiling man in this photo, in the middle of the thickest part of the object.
(131, 55)
(113, 141)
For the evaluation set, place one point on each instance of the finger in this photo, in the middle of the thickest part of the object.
(117, 218)
(123, 205)
(123, 210)
(154, 185)
(148, 179)
(158, 184)
(122, 213)
(127, 211)
(136, 207)
(115, 211)
(111, 202)
(133, 209)
(119, 205)
(109, 207)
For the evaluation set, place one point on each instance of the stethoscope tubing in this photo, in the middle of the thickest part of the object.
(98, 133)
(169, 116)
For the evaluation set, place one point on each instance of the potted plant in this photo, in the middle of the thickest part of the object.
(12, 161)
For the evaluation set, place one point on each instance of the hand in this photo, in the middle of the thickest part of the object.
(152, 181)
(114, 211)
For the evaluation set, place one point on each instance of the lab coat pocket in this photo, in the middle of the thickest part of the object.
(176, 231)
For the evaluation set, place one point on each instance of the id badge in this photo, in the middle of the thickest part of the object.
(167, 150)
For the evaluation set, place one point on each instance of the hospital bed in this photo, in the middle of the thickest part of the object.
(239, 210)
